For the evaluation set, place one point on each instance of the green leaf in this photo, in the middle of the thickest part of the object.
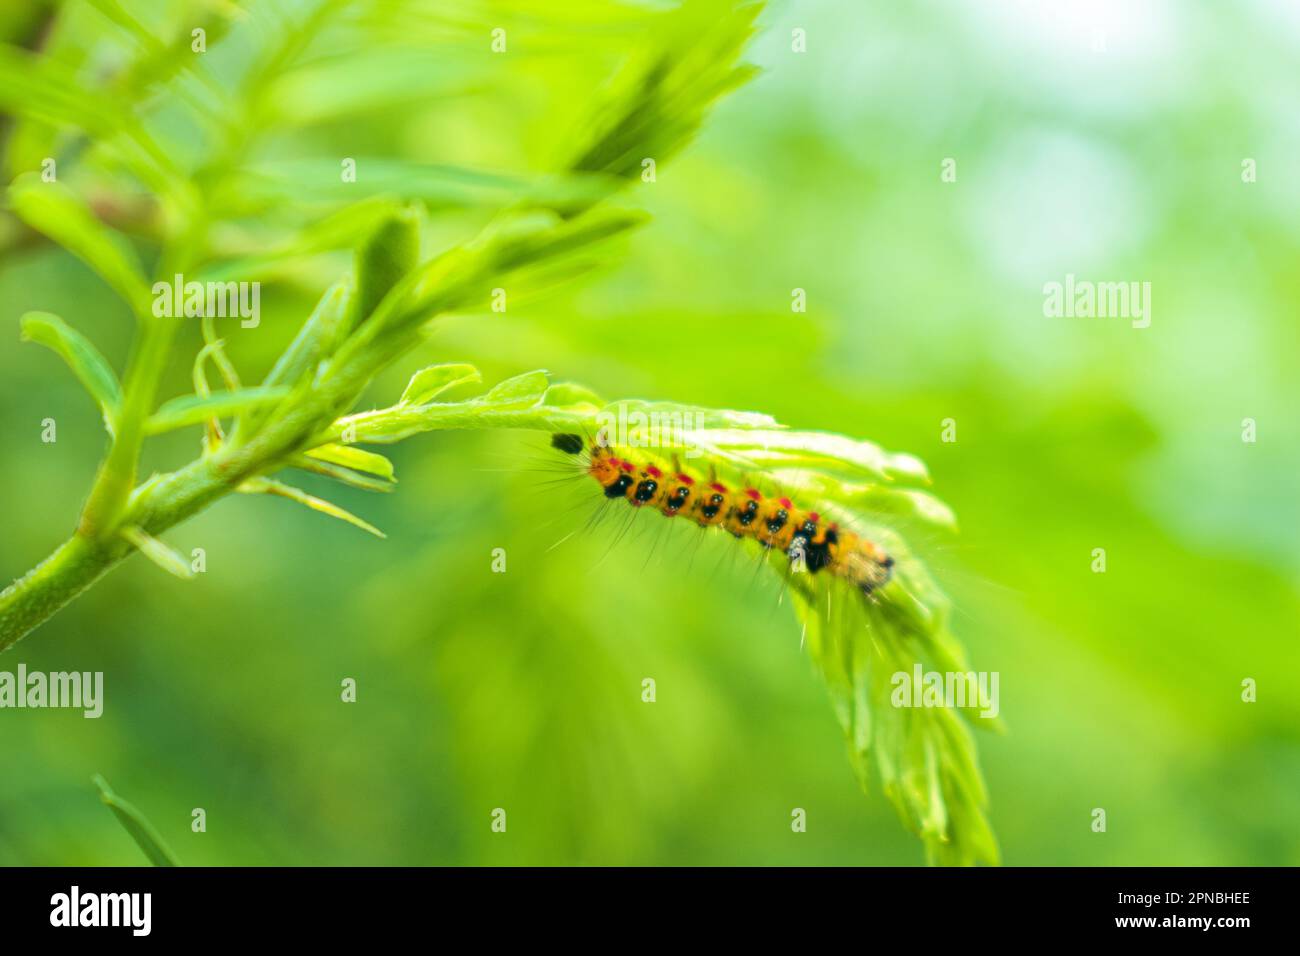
(133, 821)
(516, 243)
(776, 448)
(514, 403)
(195, 409)
(437, 186)
(124, 19)
(317, 333)
(87, 364)
(519, 253)
(924, 757)
(157, 552)
(353, 479)
(571, 393)
(522, 391)
(824, 482)
(357, 459)
(42, 88)
(390, 252)
(661, 97)
(269, 486)
(524, 401)
(700, 418)
(273, 254)
(339, 87)
(906, 502)
(430, 382)
(52, 209)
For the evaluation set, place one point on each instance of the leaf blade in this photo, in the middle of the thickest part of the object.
(81, 356)
(157, 552)
(357, 459)
(269, 486)
(430, 382)
(195, 409)
(52, 209)
(144, 834)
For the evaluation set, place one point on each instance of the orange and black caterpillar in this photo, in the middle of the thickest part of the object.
(744, 512)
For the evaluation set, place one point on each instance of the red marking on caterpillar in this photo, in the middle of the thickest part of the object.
(776, 524)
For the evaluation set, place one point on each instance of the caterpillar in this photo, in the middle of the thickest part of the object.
(924, 757)
(775, 522)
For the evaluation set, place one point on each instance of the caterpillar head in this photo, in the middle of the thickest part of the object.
(616, 475)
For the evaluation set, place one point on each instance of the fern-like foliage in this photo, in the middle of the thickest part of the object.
(923, 757)
(170, 162)
(132, 144)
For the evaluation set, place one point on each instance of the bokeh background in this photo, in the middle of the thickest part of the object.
(1104, 139)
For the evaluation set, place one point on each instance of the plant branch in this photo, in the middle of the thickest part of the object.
(363, 325)
(116, 476)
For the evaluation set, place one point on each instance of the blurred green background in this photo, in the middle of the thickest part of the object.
(1100, 139)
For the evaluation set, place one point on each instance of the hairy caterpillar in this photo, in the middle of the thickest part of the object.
(924, 757)
(810, 543)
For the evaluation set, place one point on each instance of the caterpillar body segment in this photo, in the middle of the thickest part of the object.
(810, 543)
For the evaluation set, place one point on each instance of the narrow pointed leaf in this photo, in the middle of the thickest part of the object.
(358, 459)
(41, 88)
(435, 185)
(269, 486)
(318, 333)
(196, 409)
(133, 821)
(157, 552)
(52, 209)
(82, 357)
(347, 476)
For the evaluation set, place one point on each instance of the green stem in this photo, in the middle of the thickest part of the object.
(82, 560)
(116, 476)
(167, 500)
(74, 566)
